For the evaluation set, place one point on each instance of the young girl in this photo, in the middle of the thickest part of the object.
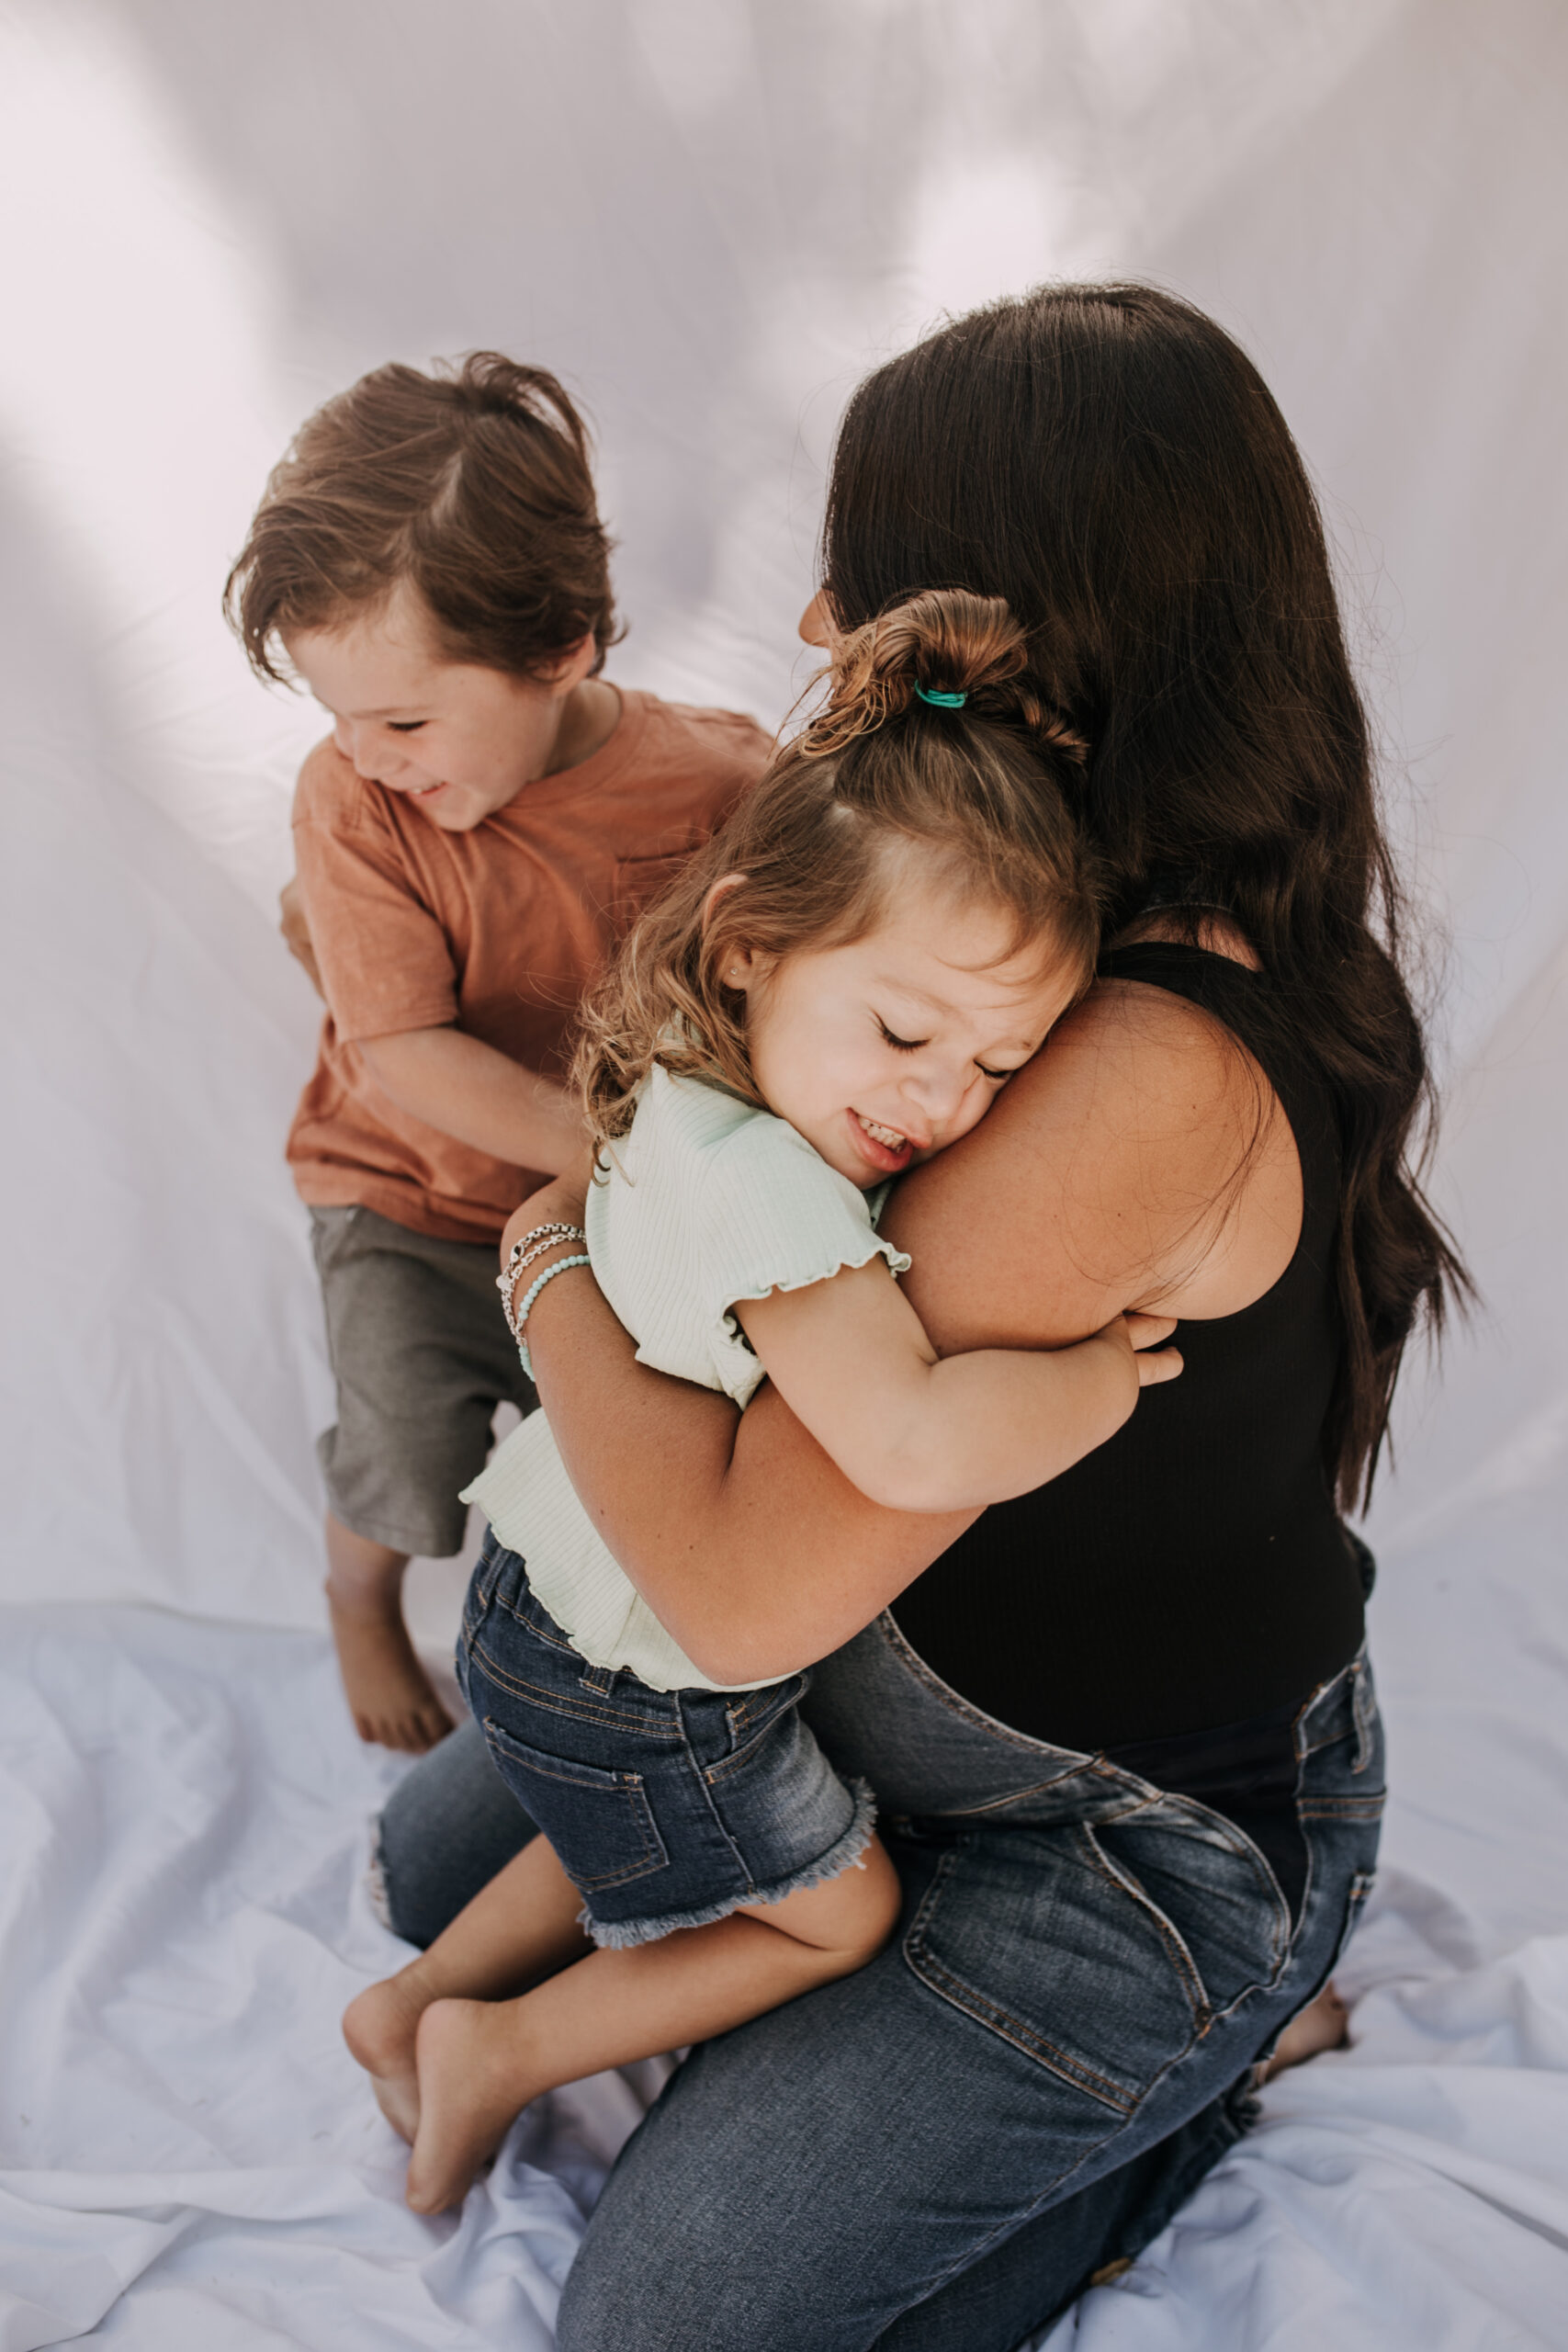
(837, 987)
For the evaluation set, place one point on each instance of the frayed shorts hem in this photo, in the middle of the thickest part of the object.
(621, 1935)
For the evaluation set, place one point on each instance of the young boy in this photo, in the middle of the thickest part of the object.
(486, 815)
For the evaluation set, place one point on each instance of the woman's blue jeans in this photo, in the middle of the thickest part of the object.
(935, 2154)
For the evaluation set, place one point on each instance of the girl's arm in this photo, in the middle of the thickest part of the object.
(1086, 1191)
(917, 1431)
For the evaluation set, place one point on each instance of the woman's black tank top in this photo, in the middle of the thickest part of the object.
(1192, 1573)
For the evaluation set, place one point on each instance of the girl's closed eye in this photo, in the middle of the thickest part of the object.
(913, 1045)
(405, 726)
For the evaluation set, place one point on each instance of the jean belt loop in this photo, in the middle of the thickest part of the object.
(1364, 1705)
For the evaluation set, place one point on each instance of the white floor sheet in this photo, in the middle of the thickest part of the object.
(197, 2162)
(712, 216)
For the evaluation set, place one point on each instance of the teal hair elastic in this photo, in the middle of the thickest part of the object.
(943, 702)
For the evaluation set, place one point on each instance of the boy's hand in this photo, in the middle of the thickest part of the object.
(1137, 1333)
(297, 934)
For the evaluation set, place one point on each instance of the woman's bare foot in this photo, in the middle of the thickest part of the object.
(472, 2083)
(380, 2026)
(389, 1693)
(1322, 2025)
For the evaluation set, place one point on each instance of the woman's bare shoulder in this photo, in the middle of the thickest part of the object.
(1114, 1163)
(1146, 1051)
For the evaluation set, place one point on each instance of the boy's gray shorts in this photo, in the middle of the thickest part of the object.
(422, 1357)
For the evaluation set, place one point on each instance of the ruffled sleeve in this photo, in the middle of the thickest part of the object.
(773, 1215)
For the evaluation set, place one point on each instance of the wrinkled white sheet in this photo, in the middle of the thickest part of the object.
(711, 216)
(181, 1854)
(188, 2158)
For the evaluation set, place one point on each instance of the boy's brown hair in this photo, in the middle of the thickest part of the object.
(472, 486)
(985, 776)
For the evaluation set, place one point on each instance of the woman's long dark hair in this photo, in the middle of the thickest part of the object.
(1112, 463)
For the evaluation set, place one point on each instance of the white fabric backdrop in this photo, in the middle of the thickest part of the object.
(712, 218)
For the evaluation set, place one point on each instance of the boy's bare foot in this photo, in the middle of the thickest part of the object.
(1322, 2025)
(472, 2086)
(389, 1693)
(380, 2026)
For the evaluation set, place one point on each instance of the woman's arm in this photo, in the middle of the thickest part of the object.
(758, 1559)
(697, 1529)
(1090, 1188)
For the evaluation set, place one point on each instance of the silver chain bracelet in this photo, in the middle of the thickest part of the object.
(520, 1257)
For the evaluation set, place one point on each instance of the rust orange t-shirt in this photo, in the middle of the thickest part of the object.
(498, 931)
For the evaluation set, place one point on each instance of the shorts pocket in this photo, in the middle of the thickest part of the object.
(599, 1822)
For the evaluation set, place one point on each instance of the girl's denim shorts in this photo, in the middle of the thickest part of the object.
(665, 1808)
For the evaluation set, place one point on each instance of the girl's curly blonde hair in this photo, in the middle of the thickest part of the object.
(987, 788)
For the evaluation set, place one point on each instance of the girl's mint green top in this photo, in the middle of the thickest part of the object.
(706, 1201)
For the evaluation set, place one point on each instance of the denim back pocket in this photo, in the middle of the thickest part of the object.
(1102, 1952)
(1027, 1933)
(599, 1822)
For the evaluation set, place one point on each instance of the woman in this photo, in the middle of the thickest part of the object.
(1122, 1730)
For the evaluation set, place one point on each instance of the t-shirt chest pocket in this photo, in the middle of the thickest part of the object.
(636, 882)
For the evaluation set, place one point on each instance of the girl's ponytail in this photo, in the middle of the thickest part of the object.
(941, 652)
(932, 740)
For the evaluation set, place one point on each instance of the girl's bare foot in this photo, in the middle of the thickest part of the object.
(380, 2026)
(1322, 2025)
(472, 2086)
(389, 1693)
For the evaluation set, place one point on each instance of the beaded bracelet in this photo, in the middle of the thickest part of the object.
(539, 1281)
(521, 1256)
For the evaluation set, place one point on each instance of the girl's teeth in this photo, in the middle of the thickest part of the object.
(888, 1137)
